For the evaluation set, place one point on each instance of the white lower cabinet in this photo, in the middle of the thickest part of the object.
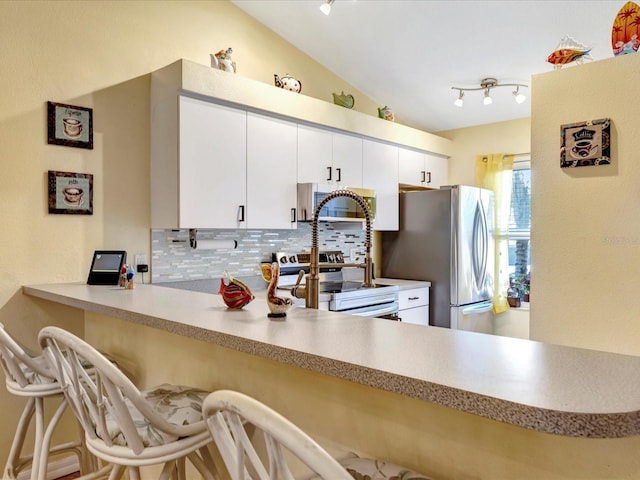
(414, 306)
(380, 173)
(272, 190)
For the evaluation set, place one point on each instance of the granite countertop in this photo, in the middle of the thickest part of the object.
(550, 388)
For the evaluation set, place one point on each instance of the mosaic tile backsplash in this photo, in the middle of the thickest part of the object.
(173, 259)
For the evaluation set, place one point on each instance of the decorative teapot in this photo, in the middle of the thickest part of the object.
(344, 100)
(288, 83)
(222, 61)
(386, 113)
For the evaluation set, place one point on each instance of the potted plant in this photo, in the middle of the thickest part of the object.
(522, 283)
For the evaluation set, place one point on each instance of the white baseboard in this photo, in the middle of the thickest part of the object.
(57, 469)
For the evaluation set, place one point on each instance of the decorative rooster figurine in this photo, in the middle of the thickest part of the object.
(277, 305)
(235, 294)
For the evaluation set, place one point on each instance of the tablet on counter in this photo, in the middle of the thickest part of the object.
(105, 267)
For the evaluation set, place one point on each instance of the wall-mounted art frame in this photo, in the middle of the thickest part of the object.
(70, 193)
(585, 144)
(69, 125)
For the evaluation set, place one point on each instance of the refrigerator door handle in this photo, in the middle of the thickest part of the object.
(480, 254)
(477, 309)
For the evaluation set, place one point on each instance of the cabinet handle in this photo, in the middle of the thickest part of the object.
(413, 298)
(423, 177)
(329, 179)
(241, 213)
(293, 215)
(339, 170)
(429, 181)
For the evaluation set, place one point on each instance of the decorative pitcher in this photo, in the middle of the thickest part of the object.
(288, 83)
(222, 61)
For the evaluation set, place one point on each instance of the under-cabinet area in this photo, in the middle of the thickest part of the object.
(227, 160)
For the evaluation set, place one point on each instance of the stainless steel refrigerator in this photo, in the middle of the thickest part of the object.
(446, 237)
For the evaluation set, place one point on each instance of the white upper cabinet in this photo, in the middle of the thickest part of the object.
(347, 160)
(421, 169)
(213, 165)
(380, 173)
(271, 172)
(315, 155)
(329, 157)
(198, 164)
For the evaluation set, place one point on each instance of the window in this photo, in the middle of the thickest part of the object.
(520, 220)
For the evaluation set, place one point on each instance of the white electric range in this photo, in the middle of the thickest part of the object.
(337, 293)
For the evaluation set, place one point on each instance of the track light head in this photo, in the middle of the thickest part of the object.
(487, 97)
(326, 7)
(519, 96)
(459, 102)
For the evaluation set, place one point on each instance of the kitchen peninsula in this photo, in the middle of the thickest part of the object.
(451, 404)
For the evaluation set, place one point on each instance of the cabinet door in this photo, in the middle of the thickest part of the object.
(347, 160)
(212, 165)
(411, 170)
(418, 315)
(315, 155)
(437, 171)
(380, 172)
(271, 172)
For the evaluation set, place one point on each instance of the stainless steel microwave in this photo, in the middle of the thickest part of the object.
(340, 209)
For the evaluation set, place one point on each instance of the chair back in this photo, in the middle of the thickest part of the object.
(106, 403)
(228, 415)
(21, 366)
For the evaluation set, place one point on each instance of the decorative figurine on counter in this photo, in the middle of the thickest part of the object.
(288, 83)
(222, 61)
(344, 100)
(568, 50)
(278, 306)
(126, 276)
(386, 113)
(235, 294)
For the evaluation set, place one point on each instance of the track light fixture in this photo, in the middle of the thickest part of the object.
(326, 7)
(486, 84)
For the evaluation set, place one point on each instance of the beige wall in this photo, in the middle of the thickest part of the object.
(513, 136)
(585, 228)
(99, 54)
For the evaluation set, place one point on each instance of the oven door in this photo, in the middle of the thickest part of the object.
(384, 310)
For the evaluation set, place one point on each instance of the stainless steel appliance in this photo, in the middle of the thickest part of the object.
(340, 209)
(338, 292)
(446, 237)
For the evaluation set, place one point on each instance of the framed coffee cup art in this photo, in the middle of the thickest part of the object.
(70, 193)
(69, 125)
(585, 144)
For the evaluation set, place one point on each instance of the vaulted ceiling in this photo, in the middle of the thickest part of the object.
(407, 54)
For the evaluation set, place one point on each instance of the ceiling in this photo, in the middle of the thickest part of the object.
(407, 54)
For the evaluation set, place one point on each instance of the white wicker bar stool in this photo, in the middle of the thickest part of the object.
(28, 375)
(229, 415)
(124, 426)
